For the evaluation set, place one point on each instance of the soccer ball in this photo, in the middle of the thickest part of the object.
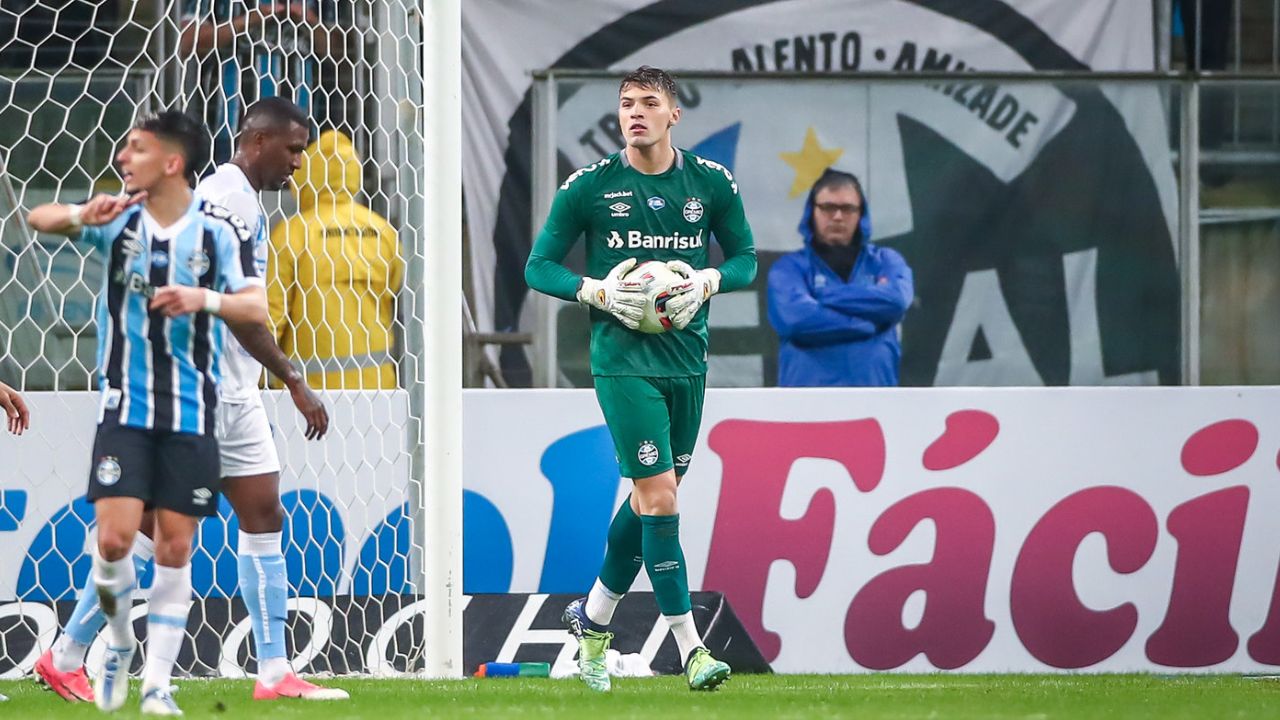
(656, 277)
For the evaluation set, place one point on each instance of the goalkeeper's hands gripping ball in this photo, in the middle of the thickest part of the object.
(688, 295)
(623, 299)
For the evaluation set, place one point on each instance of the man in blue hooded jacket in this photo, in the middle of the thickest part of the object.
(837, 303)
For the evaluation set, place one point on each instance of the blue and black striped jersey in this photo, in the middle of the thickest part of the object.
(162, 373)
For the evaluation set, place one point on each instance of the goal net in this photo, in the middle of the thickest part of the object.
(74, 76)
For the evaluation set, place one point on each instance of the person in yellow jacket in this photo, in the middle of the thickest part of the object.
(334, 273)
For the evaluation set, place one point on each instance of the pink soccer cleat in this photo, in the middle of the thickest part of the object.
(293, 686)
(70, 686)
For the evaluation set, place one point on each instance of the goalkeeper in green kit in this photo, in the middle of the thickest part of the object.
(649, 201)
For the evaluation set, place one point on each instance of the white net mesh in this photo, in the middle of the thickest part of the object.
(74, 75)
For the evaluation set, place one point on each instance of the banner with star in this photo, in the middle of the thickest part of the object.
(1039, 219)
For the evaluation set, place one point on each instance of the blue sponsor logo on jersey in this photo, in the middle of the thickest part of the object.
(656, 203)
(159, 258)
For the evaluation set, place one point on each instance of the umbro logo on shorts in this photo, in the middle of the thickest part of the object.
(201, 496)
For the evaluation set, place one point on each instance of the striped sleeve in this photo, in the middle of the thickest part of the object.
(244, 207)
(231, 275)
(234, 247)
(239, 247)
(101, 236)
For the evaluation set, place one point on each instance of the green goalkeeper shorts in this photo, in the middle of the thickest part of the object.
(653, 420)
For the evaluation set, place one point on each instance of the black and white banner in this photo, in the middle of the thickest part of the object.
(383, 635)
(1039, 218)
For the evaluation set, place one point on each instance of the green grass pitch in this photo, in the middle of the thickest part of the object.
(1036, 697)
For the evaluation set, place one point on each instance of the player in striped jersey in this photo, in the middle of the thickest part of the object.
(174, 265)
(273, 136)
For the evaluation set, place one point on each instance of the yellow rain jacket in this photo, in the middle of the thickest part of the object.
(335, 270)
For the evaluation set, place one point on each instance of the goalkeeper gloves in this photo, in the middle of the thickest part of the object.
(623, 299)
(688, 295)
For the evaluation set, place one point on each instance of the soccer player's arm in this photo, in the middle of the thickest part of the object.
(884, 303)
(282, 291)
(243, 294)
(90, 221)
(734, 235)
(798, 316)
(545, 270)
(256, 338)
(240, 303)
(279, 282)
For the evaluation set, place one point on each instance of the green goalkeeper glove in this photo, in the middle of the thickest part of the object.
(623, 299)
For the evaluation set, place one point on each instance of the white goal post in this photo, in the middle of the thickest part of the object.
(373, 534)
(443, 351)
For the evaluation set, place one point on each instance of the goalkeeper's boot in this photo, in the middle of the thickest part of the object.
(111, 687)
(159, 701)
(703, 671)
(593, 646)
(70, 686)
(293, 686)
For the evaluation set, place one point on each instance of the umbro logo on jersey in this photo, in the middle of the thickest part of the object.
(656, 203)
(620, 210)
(131, 243)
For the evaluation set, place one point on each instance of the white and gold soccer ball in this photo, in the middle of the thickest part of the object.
(656, 277)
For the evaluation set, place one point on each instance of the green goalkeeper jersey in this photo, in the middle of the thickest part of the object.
(624, 213)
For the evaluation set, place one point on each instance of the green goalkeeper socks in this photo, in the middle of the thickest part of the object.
(664, 559)
(655, 541)
(623, 556)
